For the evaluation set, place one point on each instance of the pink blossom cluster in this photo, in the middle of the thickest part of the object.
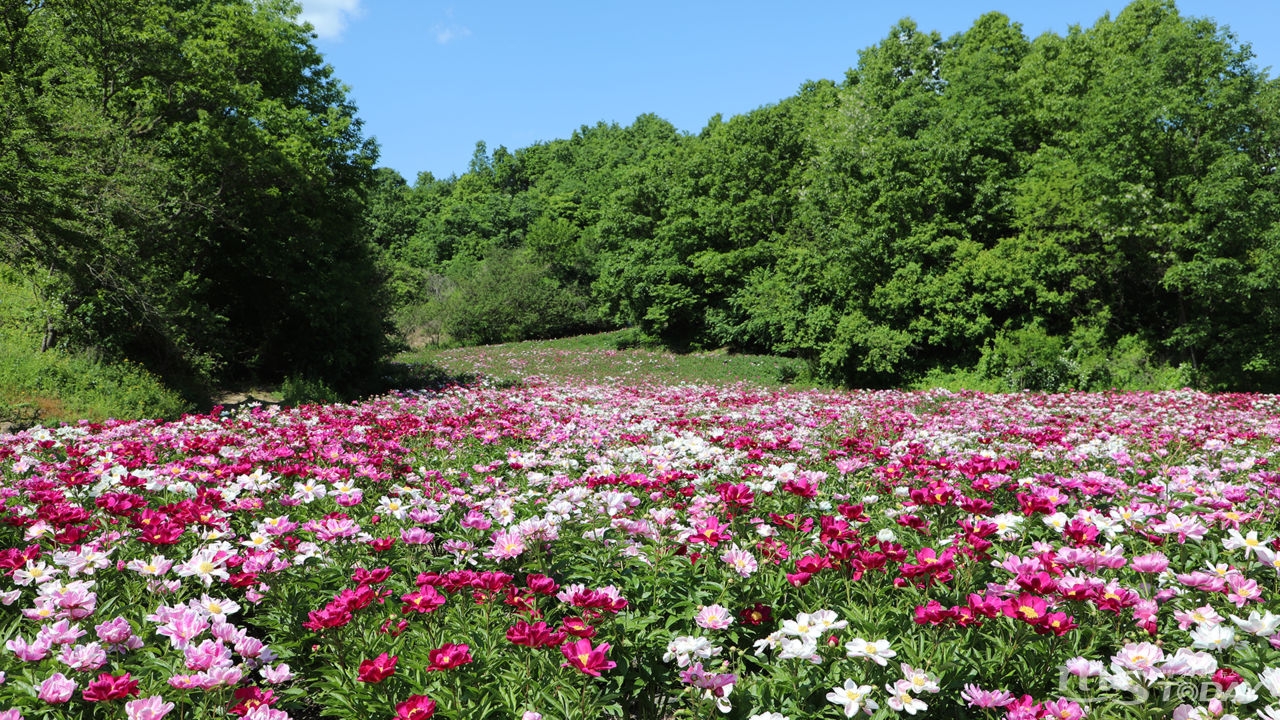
(563, 532)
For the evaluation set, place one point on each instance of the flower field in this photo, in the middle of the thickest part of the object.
(570, 551)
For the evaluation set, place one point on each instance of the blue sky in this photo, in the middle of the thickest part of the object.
(432, 77)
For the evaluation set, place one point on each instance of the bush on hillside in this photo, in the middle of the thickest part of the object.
(80, 386)
(59, 385)
(1031, 359)
(510, 297)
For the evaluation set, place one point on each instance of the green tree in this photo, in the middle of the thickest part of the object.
(509, 297)
(191, 174)
(1150, 199)
(688, 228)
(908, 188)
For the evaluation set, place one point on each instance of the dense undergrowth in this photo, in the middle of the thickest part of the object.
(58, 385)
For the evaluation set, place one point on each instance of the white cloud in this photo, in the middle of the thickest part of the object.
(330, 16)
(448, 33)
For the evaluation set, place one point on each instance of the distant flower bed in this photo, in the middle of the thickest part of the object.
(568, 551)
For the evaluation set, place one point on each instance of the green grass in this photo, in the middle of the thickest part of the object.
(51, 387)
(598, 359)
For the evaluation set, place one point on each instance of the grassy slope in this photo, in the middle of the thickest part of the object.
(595, 358)
(56, 387)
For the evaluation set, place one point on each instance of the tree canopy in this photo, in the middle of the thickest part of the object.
(186, 179)
(1046, 207)
(190, 187)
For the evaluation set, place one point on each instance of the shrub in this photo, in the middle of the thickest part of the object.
(509, 297)
(79, 386)
(59, 385)
(633, 338)
(1031, 359)
(302, 390)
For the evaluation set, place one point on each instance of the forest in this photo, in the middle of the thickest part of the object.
(185, 185)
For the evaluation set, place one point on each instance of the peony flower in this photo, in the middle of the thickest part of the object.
(1250, 542)
(853, 697)
(1140, 657)
(1199, 616)
(1188, 662)
(714, 617)
(425, 600)
(1270, 679)
(589, 660)
(1063, 709)
(449, 656)
(206, 564)
(216, 609)
(827, 621)
(29, 652)
(715, 686)
(901, 699)
(977, 697)
(251, 698)
(83, 657)
(535, 635)
(378, 669)
(877, 651)
(803, 648)
(919, 679)
(151, 708)
(506, 545)
(264, 712)
(1152, 563)
(542, 584)
(1217, 637)
(183, 626)
(742, 561)
(278, 674)
(1084, 668)
(417, 707)
(683, 649)
(115, 631)
(1264, 625)
(57, 688)
(803, 626)
(206, 655)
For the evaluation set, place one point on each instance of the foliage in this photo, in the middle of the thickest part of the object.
(683, 236)
(297, 390)
(1057, 211)
(187, 178)
(509, 296)
(1030, 359)
(631, 338)
(61, 386)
